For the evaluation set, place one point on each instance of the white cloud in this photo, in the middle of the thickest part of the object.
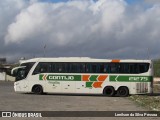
(63, 21)
(105, 29)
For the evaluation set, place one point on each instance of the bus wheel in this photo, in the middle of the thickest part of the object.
(37, 89)
(109, 91)
(123, 91)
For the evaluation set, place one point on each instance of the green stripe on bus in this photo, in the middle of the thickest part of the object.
(120, 78)
(40, 77)
(93, 78)
(89, 84)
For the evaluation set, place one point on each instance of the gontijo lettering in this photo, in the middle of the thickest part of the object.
(60, 77)
(50, 77)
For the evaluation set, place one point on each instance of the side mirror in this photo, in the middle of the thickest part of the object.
(14, 73)
(15, 70)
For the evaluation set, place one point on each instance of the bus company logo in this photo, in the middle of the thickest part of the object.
(94, 81)
(56, 77)
(52, 77)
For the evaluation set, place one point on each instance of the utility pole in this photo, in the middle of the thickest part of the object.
(44, 50)
(148, 53)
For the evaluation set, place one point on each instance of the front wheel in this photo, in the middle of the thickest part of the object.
(37, 89)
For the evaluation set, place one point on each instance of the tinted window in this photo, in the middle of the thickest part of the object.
(112, 68)
(92, 67)
(74, 68)
(28, 67)
(128, 68)
(59, 67)
(143, 68)
(42, 68)
(82, 67)
(102, 68)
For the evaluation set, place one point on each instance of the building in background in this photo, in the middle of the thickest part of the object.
(3, 60)
(3, 65)
(2, 69)
(5, 70)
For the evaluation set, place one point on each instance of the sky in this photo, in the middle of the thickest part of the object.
(110, 29)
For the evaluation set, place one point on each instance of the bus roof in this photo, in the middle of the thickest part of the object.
(81, 59)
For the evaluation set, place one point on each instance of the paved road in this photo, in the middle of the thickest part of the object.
(11, 101)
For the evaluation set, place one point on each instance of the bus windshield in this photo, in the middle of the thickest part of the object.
(28, 66)
(23, 70)
(21, 74)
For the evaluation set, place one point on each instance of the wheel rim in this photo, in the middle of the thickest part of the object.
(37, 90)
(122, 92)
(108, 92)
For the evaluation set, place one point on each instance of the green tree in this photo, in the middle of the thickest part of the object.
(156, 65)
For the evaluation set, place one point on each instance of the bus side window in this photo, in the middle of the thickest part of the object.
(102, 68)
(42, 68)
(67, 67)
(82, 67)
(122, 68)
(87, 68)
(113, 68)
(93, 68)
(107, 68)
(131, 68)
(143, 68)
(126, 68)
(48, 67)
(73, 68)
(53, 69)
(60, 68)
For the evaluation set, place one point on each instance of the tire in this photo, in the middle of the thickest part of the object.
(37, 89)
(123, 91)
(109, 91)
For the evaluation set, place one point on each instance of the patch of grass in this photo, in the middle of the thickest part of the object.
(151, 102)
(156, 88)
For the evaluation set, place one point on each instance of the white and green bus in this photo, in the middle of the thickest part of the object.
(84, 76)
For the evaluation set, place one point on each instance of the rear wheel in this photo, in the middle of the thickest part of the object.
(109, 91)
(123, 91)
(37, 89)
